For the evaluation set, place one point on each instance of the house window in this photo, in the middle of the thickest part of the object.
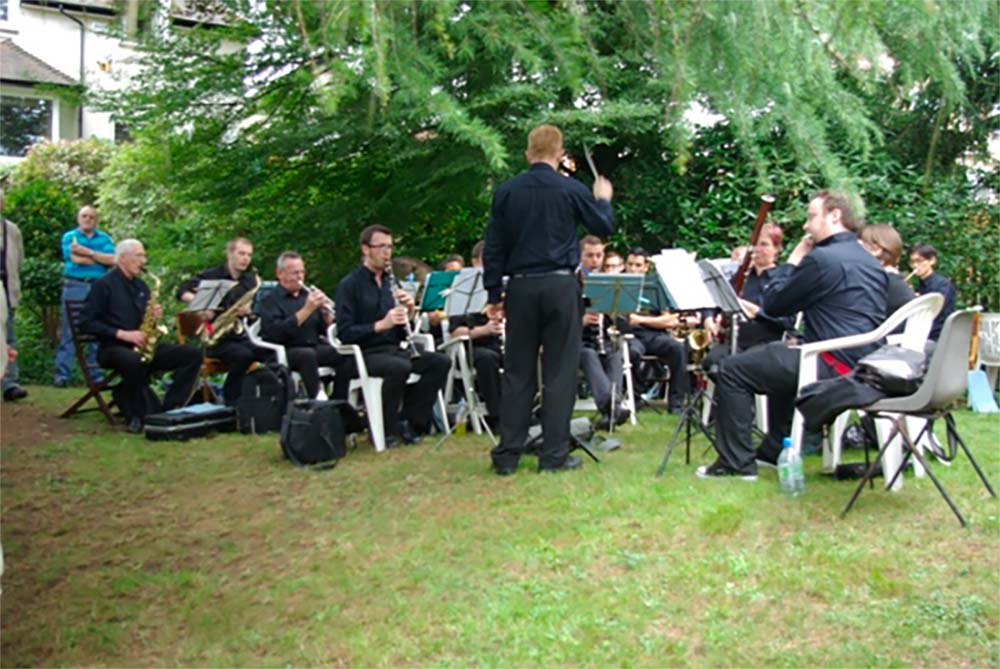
(3, 9)
(23, 122)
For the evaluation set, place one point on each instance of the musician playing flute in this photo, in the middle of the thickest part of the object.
(532, 238)
(487, 356)
(234, 349)
(115, 312)
(372, 312)
(841, 290)
(297, 317)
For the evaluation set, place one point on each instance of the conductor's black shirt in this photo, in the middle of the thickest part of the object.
(533, 225)
(840, 288)
(278, 323)
(114, 303)
(360, 302)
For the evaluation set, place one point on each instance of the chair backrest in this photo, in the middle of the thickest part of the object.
(265, 288)
(73, 310)
(989, 340)
(921, 312)
(947, 378)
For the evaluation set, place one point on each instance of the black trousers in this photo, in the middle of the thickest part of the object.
(772, 370)
(542, 313)
(487, 362)
(395, 365)
(600, 371)
(237, 355)
(306, 360)
(673, 354)
(183, 361)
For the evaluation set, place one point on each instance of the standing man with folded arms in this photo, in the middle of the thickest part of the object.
(532, 238)
(87, 254)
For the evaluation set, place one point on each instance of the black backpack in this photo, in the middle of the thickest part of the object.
(312, 433)
(262, 401)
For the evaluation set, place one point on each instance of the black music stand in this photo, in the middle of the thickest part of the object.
(613, 294)
(683, 277)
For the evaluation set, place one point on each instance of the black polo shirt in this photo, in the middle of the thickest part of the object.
(114, 303)
(533, 225)
(360, 302)
(244, 284)
(278, 323)
(935, 283)
(840, 288)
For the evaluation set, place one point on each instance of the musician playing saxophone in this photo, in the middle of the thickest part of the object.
(233, 349)
(114, 312)
(373, 315)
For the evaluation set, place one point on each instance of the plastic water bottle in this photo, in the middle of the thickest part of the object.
(461, 418)
(790, 473)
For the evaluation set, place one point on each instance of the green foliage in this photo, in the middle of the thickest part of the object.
(74, 165)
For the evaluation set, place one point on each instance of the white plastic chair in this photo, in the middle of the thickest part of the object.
(989, 347)
(918, 316)
(253, 334)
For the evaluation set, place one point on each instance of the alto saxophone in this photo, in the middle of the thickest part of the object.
(151, 326)
(229, 321)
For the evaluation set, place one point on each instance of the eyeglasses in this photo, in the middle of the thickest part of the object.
(379, 247)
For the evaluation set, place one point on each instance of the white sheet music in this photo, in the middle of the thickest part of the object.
(209, 294)
(467, 294)
(683, 279)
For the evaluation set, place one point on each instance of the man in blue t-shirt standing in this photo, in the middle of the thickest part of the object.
(87, 253)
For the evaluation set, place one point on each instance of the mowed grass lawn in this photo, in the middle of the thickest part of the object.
(125, 552)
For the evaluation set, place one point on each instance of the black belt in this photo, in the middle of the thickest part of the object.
(73, 278)
(535, 275)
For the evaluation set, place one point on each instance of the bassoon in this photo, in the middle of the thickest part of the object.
(741, 275)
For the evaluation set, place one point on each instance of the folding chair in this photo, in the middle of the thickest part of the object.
(943, 385)
(94, 388)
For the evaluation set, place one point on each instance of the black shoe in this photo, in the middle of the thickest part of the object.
(15, 393)
(603, 424)
(503, 471)
(134, 426)
(408, 434)
(764, 461)
(392, 441)
(571, 462)
(719, 470)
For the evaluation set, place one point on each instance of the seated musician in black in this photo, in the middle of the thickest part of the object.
(923, 260)
(653, 337)
(114, 312)
(487, 350)
(233, 349)
(883, 242)
(297, 318)
(368, 315)
(762, 327)
(841, 290)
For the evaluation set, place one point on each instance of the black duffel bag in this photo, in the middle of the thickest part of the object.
(894, 370)
(312, 434)
(263, 400)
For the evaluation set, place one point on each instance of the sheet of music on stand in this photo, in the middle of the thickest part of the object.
(683, 279)
(467, 292)
(209, 294)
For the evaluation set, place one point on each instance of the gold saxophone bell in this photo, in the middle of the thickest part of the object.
(697, 339)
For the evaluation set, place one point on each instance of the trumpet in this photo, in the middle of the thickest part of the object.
(408, 342)
(327, 306)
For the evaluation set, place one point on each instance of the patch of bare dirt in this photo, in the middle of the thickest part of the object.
(23, 425)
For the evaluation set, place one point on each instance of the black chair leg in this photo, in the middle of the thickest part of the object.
(953, 433)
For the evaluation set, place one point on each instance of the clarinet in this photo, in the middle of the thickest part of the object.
(408, 343)
(601, 349)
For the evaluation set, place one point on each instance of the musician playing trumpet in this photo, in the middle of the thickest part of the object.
(233, 348)
(114, 311)
(297, 317)
(373, 312)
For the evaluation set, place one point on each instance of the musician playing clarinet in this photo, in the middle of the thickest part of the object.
(234, 349)
(532, 238)
(372, 312)
(297, 317)
(841, 290)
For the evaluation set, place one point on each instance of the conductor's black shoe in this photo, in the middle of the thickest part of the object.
(134, 426)
(503, 470)
(15, 393)
(572, 462)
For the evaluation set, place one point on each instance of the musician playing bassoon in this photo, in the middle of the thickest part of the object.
(233, 349)
(372, 313)
(115, 311)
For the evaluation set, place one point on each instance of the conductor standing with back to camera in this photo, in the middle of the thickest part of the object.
(532, 238)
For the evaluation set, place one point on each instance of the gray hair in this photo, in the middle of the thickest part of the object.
(126, 246)
(285, 257)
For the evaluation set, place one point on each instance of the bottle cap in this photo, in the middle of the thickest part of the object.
(786, 442)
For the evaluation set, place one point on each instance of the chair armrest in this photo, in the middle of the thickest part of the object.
(454, 341)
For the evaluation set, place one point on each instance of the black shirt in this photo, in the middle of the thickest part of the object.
(245, 283)
(474, 321)
(840, 288)
(360, 302)
(114, 303)
(764, 327)
(935, 283)
(533, 223)
(278, 323)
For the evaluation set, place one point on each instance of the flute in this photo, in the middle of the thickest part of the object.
(408, 343)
